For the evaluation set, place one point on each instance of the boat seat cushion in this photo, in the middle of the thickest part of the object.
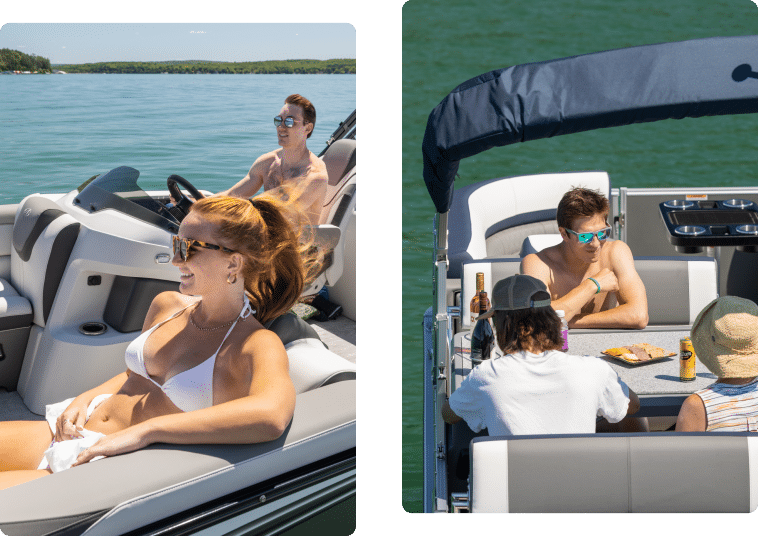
(15, 310)
(648, 472)
(43, 239)
(677, 288)
(312, 365)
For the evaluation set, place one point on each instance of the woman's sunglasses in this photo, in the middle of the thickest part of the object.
(586, 238)
(185, 247)
(289, 122)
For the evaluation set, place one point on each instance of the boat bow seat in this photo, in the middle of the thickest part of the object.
(646, 472)
(337, 213)
(312, 365)
(677, 288)
(490, 219)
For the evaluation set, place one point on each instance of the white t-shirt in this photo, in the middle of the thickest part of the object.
(549, 393)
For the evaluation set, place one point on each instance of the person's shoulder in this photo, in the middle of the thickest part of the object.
(268, 158)
(263, 344)
(165, 304)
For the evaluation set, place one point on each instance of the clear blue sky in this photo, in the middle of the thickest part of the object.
(91, 42)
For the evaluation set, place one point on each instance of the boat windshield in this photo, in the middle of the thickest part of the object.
(118, 190)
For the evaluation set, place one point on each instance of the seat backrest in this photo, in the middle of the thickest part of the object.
(43, 239)
(646, 472)
(677, 288)
(492, 218)
(340, 163)
(312, 365)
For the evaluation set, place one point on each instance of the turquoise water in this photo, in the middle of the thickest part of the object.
(448, 42)
(58, 130)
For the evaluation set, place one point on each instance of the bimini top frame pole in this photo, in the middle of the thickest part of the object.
(619, 87)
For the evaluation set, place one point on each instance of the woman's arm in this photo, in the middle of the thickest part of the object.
(262, 415)
(692, 417)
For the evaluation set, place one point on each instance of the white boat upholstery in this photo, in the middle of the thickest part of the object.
(677, 288)
(651, 472)
(337, 213)
(43, 238)
(131, 491)
(312, 365)
(492, 218)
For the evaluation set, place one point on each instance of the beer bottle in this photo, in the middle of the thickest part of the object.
(482, 337)
(474, 305)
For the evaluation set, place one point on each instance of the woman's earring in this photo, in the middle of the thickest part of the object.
(232, 279)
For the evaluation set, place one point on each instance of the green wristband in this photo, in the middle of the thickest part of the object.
(595, 281)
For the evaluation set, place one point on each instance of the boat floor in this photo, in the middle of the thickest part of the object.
(339, 336)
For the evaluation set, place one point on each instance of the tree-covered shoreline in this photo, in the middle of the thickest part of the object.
(334, 66)
(14, 60)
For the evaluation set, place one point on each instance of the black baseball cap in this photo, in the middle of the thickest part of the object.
(517, 292)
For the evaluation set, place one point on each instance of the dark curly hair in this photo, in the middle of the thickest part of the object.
(538, 328)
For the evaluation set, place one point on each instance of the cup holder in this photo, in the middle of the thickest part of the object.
(93, 328)
(690, 230)
(737, 203)
(748, 229)
(679, 203)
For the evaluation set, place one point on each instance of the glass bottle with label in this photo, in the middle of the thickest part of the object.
(474, 305)
(482, 337)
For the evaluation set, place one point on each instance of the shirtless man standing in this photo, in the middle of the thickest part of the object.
(293, 164)
(591, 278)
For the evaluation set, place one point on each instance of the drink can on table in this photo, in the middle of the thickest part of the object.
(687, 360)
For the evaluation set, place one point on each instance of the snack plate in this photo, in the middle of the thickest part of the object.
(637, 363)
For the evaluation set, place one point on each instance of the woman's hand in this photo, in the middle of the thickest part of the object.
(121, 442)
(71, 422)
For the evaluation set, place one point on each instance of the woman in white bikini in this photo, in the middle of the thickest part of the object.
(242, 264)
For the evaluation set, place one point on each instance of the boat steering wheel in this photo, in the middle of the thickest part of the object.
(183, 203)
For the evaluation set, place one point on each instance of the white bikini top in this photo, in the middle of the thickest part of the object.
(193, 388)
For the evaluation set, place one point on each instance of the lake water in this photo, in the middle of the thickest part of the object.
(447, 42)
(58, 130)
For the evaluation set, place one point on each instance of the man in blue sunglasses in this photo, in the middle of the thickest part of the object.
(589, 276)
(292, 164)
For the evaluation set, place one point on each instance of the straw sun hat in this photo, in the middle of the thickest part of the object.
(725, 337)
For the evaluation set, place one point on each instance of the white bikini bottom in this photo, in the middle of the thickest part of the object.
(62, 454)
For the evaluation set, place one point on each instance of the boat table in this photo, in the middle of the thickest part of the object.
(656, 383)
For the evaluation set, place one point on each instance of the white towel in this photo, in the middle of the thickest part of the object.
(63, 454)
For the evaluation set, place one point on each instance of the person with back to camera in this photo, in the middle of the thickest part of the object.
(590, 277)
(241, 264)
(535, 388)
(725, 338)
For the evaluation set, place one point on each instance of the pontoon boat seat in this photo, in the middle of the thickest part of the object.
(677, 287)
(490, 219)
(43, 238)
(312, 365)
(650, 472)
(336, 214)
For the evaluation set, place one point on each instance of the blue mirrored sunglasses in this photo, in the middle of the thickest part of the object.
(289, 122)
(586, 238)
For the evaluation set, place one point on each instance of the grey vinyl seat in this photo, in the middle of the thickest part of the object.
(43, 239)
(339, 203)
(312, 365)
(650, 472)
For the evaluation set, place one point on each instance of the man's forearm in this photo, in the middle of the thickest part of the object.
(629, 316)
